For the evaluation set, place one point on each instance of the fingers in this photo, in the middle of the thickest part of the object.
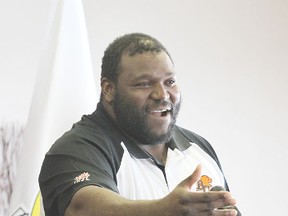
(209, 212)
(221, 197)
(192, 179)
(231, 212)
(210, 208)
(209, 200)
(226, 212)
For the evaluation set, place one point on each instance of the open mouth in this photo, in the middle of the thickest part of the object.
(161, 112)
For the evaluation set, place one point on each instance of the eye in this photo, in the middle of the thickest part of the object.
(143, 84)
(171, 82)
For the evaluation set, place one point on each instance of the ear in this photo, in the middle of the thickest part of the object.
(107, 89)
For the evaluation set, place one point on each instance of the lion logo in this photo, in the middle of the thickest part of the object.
(204, 184)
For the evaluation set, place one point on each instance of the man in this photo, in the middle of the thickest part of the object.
(129, 157)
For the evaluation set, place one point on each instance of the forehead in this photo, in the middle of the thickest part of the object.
(145, 63)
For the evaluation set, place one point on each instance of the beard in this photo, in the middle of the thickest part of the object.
(134, 121)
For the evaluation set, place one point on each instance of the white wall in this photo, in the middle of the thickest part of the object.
(22, 27)
(232, 62)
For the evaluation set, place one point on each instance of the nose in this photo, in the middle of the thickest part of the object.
(160, 92)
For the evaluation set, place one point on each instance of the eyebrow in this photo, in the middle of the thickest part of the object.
(146, 76)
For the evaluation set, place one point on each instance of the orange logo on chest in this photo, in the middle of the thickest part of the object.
(204, 184)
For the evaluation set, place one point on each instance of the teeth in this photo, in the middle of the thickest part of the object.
(160, 111)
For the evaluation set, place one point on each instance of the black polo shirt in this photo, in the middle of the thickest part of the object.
(96, 152)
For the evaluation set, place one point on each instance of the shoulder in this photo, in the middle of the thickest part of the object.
(87, 136)
(197, 139)
(192, 136)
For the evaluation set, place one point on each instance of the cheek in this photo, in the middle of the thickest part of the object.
(137, 99)
(175, 95)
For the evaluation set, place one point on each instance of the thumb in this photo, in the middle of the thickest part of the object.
(192, 179)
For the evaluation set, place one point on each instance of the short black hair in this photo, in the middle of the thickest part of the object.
(133, 43)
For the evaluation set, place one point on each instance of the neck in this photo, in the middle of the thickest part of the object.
(107, 106)
(158, 152)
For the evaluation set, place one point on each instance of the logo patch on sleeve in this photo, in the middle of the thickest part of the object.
(82, 177)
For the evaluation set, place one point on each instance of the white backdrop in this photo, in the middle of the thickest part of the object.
(232, 63)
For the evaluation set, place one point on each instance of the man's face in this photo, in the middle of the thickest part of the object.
(147, 98)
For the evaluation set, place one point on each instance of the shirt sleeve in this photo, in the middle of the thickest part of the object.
(74, 162)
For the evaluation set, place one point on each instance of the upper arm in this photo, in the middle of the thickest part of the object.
(94, 200)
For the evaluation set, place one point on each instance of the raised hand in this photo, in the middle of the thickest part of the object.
(181, 201)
